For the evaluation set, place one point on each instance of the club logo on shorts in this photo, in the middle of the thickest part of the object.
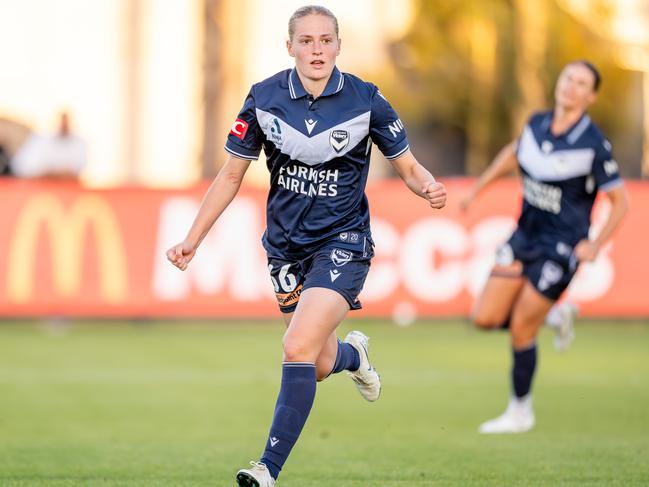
(551, 273)
(239, 128)
(344, 236)
(339, 139)
(564, 249)
(340, 257)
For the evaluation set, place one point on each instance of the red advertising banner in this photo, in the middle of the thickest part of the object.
(68, 251)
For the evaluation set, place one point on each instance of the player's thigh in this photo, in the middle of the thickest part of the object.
(318, 314)
(528, 316)
(494, 305)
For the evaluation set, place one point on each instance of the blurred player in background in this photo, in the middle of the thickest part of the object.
(564, 161)
(316, 126)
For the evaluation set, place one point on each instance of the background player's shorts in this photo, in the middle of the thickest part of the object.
(336, 266)
(548, 266)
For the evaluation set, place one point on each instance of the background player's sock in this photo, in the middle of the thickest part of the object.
(346, 358)
(523, 370)
(294, 402)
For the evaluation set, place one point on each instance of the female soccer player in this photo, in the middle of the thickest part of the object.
(564, 161)
(316, 126)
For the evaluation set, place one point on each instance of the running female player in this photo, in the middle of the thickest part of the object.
(564, 161)
(316, 126)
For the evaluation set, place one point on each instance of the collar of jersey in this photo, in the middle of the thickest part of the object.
(573, 133)
(334, 85)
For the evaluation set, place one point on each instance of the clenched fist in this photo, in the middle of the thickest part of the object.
(180, 255)
(435, 193)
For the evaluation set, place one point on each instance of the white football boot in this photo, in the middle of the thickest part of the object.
(367, 379)
(561, 319)
(257, 476)
(517, 418)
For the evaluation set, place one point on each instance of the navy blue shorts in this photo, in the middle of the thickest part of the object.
(548, 266)
(337, 265)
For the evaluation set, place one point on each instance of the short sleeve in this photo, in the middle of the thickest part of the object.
(245, 138)
(540, 119)
(386, 129)
(605, 169)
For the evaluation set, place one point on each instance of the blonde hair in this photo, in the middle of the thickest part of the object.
(310, 10)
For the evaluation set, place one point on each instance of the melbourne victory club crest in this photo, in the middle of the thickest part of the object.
(340, 257)
(338, 139)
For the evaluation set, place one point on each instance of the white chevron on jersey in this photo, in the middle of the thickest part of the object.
(555, 166)
(312, 150)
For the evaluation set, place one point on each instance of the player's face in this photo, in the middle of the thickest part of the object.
(575, 87)
(314, 46)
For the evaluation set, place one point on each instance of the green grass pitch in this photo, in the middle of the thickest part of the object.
(188, 404)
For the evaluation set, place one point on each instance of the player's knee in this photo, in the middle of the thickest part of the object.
(522, 338)
(485, 322)
(296, 351)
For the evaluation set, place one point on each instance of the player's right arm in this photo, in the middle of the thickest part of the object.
(243, 145)
(503, 164)
(221, 192)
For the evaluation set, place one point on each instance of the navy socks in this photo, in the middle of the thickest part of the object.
(293, 406)
(294, 402)
(523, 370)
(346, 358)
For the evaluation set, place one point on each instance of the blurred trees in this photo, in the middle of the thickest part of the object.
(469, 73)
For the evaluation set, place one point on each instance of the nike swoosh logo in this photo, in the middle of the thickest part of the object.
(367, 356)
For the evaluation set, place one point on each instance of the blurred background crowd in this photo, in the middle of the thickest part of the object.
(144, 91)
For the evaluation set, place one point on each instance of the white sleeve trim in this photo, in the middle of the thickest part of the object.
(611, 185)
(241, 156)
(398, 153)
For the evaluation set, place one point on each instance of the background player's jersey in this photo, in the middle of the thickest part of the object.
(561, 177)
(318, 153)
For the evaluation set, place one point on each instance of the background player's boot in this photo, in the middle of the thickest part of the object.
(366, 377)
(257, 476)
(561, 319)
(517, 418)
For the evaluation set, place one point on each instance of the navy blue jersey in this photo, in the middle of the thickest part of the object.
(318, 154)
(561, 177)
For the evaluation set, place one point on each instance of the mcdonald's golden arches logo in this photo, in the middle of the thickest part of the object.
(66, 231)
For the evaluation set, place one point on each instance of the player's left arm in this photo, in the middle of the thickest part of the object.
(606, 174)
(587, 250)
(419, 179)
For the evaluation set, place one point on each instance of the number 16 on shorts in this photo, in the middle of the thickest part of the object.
(287, 285)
